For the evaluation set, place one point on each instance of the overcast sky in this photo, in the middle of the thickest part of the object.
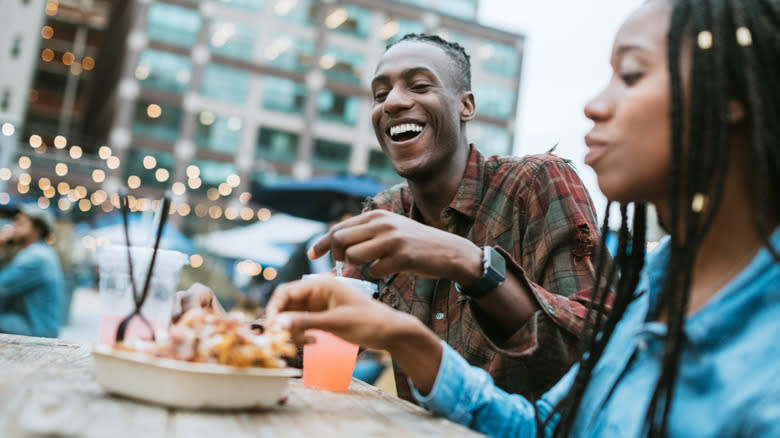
(566, 62)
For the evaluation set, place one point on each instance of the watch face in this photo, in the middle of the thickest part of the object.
(493, 274)
(495, 262)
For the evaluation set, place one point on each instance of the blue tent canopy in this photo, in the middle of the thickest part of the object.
(317, 198)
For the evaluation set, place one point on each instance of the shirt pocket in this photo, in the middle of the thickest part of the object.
(475, 347)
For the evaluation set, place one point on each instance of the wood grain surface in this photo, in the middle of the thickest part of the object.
(48, 389)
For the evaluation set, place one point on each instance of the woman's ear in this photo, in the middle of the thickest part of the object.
(467, 106)
(736, 111)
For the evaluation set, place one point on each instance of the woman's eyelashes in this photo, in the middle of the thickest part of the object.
(630, 78)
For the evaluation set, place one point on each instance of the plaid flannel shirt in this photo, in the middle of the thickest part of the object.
(536, 212)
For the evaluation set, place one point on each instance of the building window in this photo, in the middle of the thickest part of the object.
(213, 173)
(5, 102)
(232, 39)
(219, 134)
(164, 71)
(16, 46)
(499, 58)
(247, 5)
(342, 65)
(225, 83)
(283, 95)
(156, 121)
(490, 139)
(494, 101)
(350, 20)
(338, 108)
(466, 9)
(261, 178)
(380, 168)
(277, 145)
(173, 24)
(294, 11)
(395, 28)
(331, 156)
(289, 53)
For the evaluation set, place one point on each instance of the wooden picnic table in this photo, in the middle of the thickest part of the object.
(48, 388)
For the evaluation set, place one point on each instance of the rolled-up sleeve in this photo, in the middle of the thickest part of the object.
(467, 395)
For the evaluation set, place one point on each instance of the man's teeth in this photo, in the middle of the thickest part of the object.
(406, 127)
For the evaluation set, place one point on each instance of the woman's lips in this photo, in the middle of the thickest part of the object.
(596, 148)
(594, 154)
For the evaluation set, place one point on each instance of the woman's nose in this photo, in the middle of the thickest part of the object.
(598, 108)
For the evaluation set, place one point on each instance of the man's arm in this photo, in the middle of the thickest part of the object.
(555, 252)
(556, 274)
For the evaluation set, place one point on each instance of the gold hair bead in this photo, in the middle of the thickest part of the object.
(699, 200)
(744, 37)
(705, 39)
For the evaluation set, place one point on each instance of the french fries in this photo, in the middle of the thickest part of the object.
(200, 336)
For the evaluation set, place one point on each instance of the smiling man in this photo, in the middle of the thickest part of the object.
(492, 253)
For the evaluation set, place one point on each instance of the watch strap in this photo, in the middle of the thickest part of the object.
(493, 275)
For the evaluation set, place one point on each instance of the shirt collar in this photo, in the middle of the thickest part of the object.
(468, 197)
(750, 291)
(726, 312)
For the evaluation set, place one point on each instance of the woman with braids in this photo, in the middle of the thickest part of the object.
(689, 122)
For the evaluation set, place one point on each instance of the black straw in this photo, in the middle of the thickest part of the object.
(165, 204)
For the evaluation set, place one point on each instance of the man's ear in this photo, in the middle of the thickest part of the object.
(467, 106)
(736, 111)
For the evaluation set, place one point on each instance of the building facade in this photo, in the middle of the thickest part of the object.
(19, 39)
(214, 98)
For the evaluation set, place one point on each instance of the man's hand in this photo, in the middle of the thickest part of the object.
(197, 296)
(393, 243)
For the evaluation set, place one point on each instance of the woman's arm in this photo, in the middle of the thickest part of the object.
(443, 381)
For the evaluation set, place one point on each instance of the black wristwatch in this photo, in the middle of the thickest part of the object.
(493, 274)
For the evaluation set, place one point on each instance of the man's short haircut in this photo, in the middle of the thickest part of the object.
(456, 53)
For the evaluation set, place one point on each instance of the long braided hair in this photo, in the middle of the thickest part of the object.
(736, 55)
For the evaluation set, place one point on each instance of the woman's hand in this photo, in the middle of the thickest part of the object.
(328, 304)
(331, 305)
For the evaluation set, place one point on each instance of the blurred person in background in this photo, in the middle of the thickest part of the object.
(31, 283)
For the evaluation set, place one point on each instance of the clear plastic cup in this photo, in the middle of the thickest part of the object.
(116, 294)
(329, 362)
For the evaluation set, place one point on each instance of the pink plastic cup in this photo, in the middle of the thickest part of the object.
(329, 362)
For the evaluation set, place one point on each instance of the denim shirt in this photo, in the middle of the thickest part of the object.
(32, 290)
(729, 376)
